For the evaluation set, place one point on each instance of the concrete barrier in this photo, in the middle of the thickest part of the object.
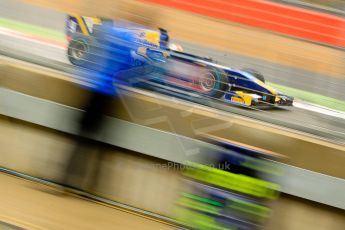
(126, 176)
(130, 178)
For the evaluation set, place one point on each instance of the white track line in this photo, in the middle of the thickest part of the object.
(319, 109)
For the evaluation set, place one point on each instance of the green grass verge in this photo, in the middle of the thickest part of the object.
(59, 36)
(33, 30)
(311, 97)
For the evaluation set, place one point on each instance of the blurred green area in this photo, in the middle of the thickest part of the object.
(327, 4)
(314, 98)
(33, 30)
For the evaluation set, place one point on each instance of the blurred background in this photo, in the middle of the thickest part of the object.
(152, 114)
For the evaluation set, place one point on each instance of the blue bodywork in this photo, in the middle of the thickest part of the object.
(113, 48)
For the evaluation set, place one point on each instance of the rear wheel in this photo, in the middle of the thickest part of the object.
(77, 49)
(76, 52)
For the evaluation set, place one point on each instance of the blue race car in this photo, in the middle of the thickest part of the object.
(176, 68)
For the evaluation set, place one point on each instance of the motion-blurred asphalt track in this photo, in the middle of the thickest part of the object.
(325, 126)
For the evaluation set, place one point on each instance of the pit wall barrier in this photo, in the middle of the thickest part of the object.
(135, 179)
(292, 21)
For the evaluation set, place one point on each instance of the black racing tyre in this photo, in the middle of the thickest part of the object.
(77, 48)
(256, 74)
(214, 82)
